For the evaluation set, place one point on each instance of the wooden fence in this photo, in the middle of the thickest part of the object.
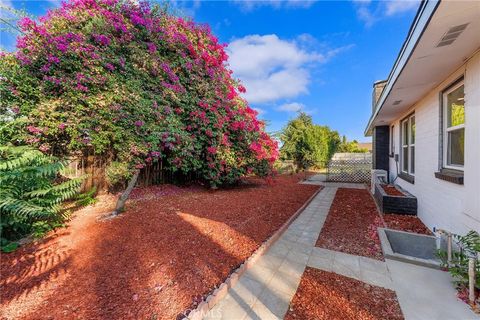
(156, 174)
(94, 168)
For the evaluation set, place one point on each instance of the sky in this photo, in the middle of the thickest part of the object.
(320, 57)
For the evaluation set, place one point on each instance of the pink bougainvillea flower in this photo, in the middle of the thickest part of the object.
(102, 39)
(34, 130)
(152, 48)
(81, 87)
(26, 23)
(44, 148)
(109, 66)
(53, 59)
(63, 47)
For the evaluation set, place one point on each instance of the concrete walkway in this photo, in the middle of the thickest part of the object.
(265, 291)
(425, 293)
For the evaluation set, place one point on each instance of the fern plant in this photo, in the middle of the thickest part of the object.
(31, 192)
(87, 198)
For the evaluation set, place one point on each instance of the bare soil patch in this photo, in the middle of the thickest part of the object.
(329, 296)
(162, 256)
(351, 225)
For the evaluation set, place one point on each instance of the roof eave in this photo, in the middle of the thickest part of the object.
(422, 18)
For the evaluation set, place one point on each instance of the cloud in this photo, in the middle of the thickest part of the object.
(8, 29)
(364, 14)
(6, 3)
(249, 5)
(260, 111)
(271, 68)
(184, 8)
(6, 7)
(370, 12)
(399, 6)
(291, 107)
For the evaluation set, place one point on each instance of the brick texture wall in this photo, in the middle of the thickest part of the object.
(381, 143)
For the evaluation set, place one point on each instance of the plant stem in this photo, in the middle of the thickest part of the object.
(123, 198)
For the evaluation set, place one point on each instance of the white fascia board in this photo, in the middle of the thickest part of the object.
(425, 13)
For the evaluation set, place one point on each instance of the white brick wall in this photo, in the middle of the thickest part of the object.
(444, 204)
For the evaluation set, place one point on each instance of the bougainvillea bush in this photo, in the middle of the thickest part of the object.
(132, 82)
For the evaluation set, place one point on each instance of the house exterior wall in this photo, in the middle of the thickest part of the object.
(443, 204)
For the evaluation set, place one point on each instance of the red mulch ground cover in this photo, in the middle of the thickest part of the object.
(351, 225)
(154, 261)
(391, 190)
(405, 223)
(329, 296)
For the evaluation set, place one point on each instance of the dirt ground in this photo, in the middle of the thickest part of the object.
(159, 258)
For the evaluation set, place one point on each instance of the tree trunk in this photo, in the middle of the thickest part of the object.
(123, 198)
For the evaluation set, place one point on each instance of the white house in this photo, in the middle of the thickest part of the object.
(425, 121)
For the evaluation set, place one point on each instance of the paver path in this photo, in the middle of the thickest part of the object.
(265, 290)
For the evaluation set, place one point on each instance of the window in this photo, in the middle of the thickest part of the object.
(392, 141)
(408, 145)
(454, 127)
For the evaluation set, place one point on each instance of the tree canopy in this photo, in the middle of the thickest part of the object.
(350, 146)
(308, 144)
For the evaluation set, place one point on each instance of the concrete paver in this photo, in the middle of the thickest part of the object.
(426, 293)
(279, 271)
(266, 289)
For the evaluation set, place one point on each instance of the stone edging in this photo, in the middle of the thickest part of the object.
(202, 309)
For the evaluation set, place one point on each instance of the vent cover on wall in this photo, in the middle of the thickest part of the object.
(396, 103)
(451, 35)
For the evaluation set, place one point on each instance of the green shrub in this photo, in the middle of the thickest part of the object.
(117, 173)
(31, 192)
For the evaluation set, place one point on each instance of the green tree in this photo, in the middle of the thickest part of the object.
(350, 146)
(308, 144)
(293, 136)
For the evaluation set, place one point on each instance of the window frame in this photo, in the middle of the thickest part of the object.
(408, 146)
(392, 141)
(445, 129)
